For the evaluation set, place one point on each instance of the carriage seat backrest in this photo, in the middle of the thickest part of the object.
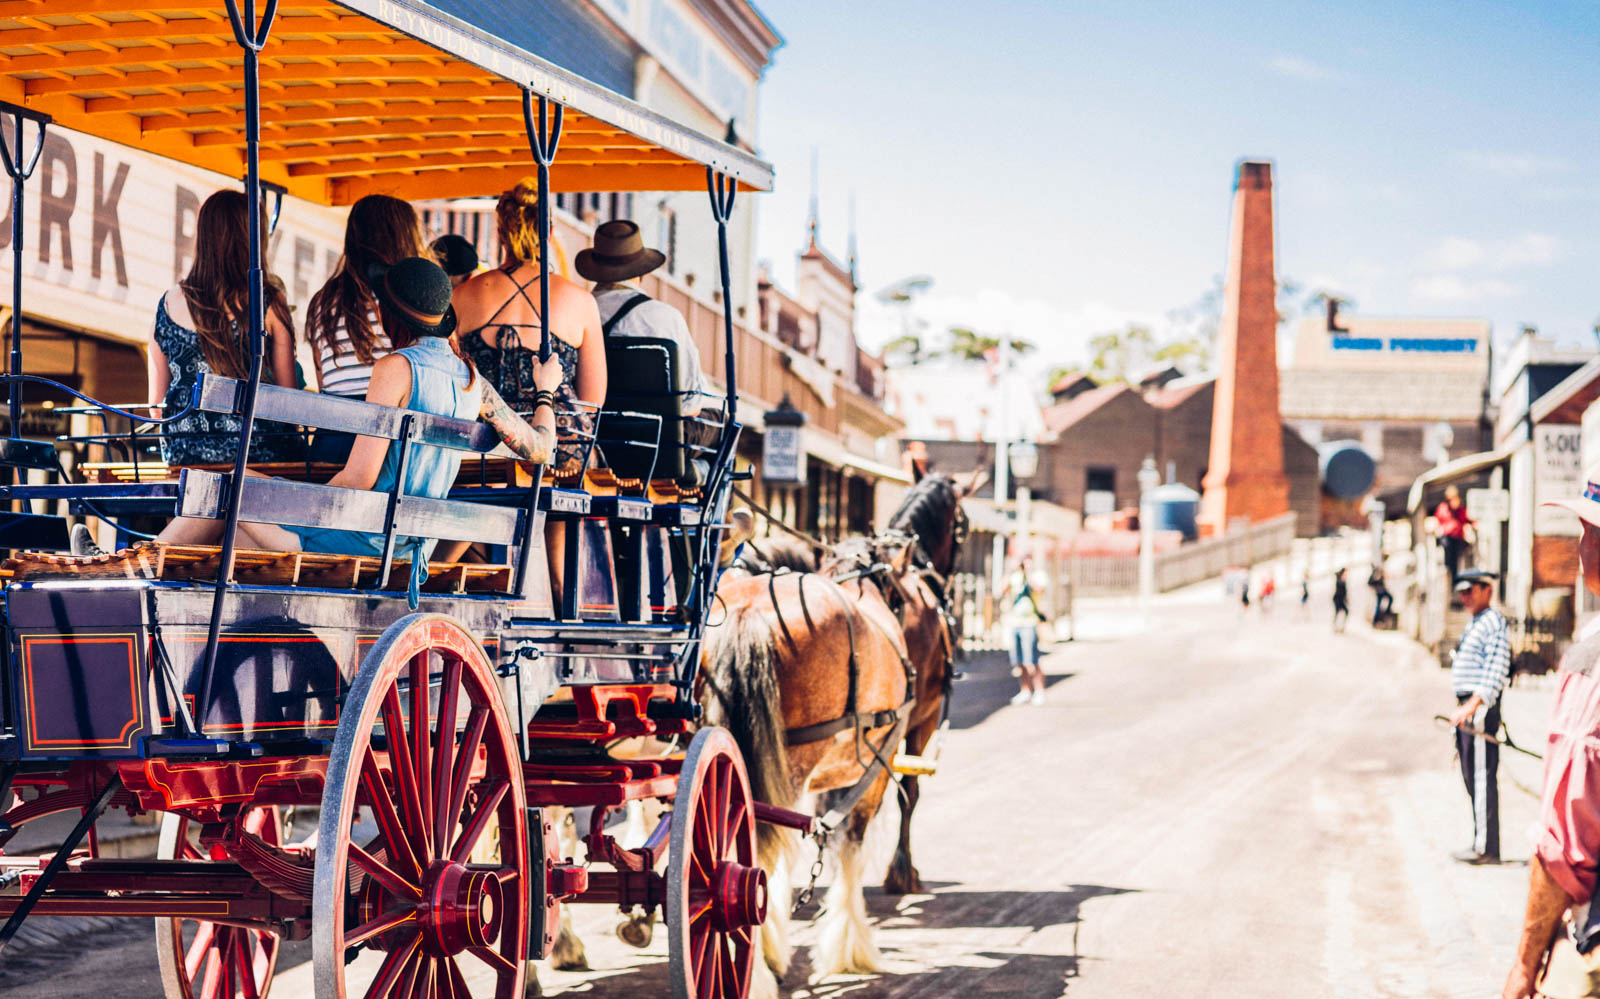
(215, 394)
(646, 387)
(302, 504)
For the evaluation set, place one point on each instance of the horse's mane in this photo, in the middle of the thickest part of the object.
(783, 552)
(928, 509)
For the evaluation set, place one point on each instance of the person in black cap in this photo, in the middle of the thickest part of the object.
(1478, 674)
(425, 373)
(457, 256)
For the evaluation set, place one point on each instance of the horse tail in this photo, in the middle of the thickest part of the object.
(743, 697)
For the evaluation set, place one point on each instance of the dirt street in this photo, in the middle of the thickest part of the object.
(1222, 807)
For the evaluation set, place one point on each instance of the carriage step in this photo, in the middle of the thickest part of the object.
(914, 766)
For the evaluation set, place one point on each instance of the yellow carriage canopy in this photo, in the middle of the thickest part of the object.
(359, 97)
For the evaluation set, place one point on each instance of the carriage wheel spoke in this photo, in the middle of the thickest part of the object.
(720, 815)
(388, 921)
(393, 833)
(727, 973)
(245, 966)
(476, 723)
(196, 955)
(496, 960)
(411, 974)
(702, 954)
(389, 971)
(211, 985)
(479, 822)
(405, 777)
(260, 959)
(225, 958)
(444, 823)
(421, 747)
(380, 873)
(458, 982)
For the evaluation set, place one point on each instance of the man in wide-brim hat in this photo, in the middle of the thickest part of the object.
(615, 263)
(1567, 850)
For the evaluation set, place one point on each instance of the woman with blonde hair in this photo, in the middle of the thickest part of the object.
(343, 326)
(499, 311)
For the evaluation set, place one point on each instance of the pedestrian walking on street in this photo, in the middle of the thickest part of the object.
(1305, 599)
(1244, 593)
(1269, 587)
(1382, 599)
(1478, 674)
(1455, 530)
(1563, 867)
(1341, 601)
(1022, 618)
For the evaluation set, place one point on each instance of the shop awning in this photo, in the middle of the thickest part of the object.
(358, 97)
(828, 450)
(1453, 471)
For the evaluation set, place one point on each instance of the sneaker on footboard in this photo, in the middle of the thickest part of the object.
(82, 542)
(1020, 697)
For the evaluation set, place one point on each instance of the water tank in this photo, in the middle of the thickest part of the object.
(1172, 508)
(1348, 471)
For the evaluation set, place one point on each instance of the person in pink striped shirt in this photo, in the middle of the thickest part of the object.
(1566, 850)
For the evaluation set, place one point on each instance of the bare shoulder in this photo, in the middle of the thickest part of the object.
(572, 301)
(177, 305)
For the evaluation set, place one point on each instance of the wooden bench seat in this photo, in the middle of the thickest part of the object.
(198, 563)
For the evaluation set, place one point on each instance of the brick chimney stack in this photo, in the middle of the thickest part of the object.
(1245, 476)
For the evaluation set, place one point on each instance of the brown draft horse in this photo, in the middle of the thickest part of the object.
(782, 664)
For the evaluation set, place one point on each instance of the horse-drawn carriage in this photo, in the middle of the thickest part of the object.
(226, 687)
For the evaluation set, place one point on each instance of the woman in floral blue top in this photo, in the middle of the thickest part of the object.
(202, 326)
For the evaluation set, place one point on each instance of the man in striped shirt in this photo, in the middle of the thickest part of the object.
(1478, 673)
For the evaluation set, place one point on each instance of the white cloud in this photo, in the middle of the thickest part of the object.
(1455, 252)
(1530, 249)
(1512, 164)
(1455, 288)
(1300, 68)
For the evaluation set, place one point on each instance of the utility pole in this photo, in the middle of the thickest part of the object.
(1002, 445)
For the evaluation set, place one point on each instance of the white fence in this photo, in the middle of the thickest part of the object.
(1191, 563)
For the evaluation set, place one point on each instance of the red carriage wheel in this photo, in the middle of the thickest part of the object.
(412, 897)
(201, 960)
(716, 895)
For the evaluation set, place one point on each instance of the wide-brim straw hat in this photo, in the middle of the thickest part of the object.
(416, 291)
(618, 254)
(1587, 506)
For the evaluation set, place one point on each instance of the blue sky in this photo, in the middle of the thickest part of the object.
(1062, 168)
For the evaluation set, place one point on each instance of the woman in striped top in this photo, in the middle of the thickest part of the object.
(342, 324)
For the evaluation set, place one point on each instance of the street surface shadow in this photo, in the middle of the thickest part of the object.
(980, 971)
(986, 686)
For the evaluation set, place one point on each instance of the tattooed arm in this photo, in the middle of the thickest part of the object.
(532, 440)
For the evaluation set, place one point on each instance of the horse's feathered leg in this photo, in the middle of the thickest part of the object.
(844, 936)
(743, 697)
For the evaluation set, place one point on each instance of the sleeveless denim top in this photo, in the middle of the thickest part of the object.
(439, 386)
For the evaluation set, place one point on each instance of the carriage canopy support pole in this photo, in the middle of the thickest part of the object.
(252, 38)
(722, 189)
(544, 136)
(19, 168)
(90, 816)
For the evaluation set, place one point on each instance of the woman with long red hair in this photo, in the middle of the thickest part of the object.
(203, 326)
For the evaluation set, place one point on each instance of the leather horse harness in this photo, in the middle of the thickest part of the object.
(854, 719)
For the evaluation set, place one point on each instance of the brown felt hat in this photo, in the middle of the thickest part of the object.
(618, 253)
